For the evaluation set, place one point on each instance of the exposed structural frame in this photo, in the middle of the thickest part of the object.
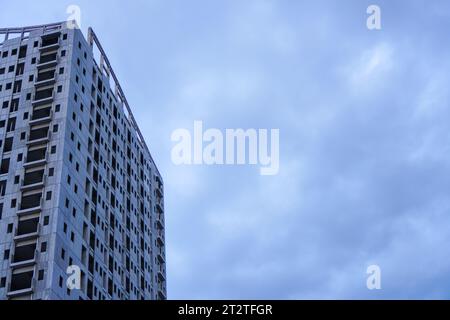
(92, 38)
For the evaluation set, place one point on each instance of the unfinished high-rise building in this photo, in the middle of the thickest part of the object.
(81, 199)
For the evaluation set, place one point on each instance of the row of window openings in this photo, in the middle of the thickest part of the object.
(17, 87)
(7, 254)
(45, 93)
(3, 185)
(4, 166)
(21, 66)
(132, 173)
(20, 70)
(40, 278)
(9, 141)
(14, 107)
(46, 221)
(22, 52)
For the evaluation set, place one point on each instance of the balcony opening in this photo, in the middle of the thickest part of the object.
(30, 200)
(21, 280)
(36, 153)
(41, 112)
(38, 132)
(48, 58)
(50, 40)
(4, 167)
(27, 226)
(24, 251)
(43, 94)
(33, 176)
(45, 75)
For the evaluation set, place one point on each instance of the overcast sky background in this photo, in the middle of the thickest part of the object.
(364, 123)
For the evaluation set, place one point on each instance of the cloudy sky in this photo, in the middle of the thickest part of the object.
(364, 139)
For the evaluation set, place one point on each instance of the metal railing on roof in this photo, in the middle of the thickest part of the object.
(23, 30)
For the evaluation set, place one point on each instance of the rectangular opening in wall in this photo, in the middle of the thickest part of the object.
(22, 52)
(21, 279)
(8, 144)
(11, 124)
(4, 166)
(43, 94)
(31, 199)
(46, 74)
(17, 86)
(50, 39)
(14, 105)
(24, 251)
(40, 112)
(38, 132)
(49, 57)
(28, 225)
(36, 153)
(2, 188)
(33, 176)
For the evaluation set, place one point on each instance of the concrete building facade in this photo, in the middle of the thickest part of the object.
(81, 199)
